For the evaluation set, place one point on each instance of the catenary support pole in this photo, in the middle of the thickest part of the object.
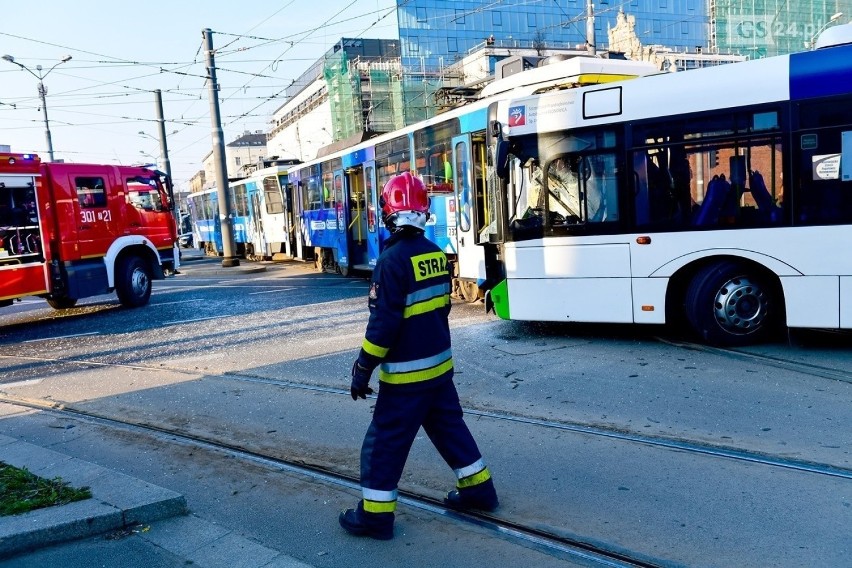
(226, 216)
(164, 153)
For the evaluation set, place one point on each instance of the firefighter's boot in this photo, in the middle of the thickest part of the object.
(482, 496)
(360, 523)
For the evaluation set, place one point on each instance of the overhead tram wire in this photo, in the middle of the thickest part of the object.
(387, 13)
(292, 44)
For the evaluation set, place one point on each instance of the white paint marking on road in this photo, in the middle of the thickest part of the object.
(26, 383)
(180, 302)
(282, 289)
(191, 320)
(61, 337)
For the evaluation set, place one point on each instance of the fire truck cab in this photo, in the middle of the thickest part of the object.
(69, 231)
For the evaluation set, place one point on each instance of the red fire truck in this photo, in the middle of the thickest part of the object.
(68, 231)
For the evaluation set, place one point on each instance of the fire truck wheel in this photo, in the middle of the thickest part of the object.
(133, 282)
(61, 303)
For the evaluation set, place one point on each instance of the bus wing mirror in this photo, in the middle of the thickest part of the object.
(501, 159)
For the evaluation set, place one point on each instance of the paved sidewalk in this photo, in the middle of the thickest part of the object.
(121, 506)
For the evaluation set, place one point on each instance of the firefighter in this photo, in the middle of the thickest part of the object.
(408, 338)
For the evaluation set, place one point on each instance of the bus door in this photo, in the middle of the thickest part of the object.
(468, 183)
(357, 228)
(340, 204)
(372, 214)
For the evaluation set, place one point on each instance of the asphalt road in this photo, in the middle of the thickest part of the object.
(576, 422)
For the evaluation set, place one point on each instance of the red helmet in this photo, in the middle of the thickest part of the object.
(404, 201)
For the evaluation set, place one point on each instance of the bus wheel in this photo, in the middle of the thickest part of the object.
(133, 282)
(344, 270)
(728, 304)
(61, 302)
(469, 291)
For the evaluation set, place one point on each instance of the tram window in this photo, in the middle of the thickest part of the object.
(272, 195)
(327, 182)
(370, 202)
(466, 197)
(338, 202)
(432, 151)
(314, 193)
(240, 194)
(206, 209)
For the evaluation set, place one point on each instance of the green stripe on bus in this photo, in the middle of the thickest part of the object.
(500, 297)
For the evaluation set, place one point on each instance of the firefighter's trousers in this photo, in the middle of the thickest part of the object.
(397, 418)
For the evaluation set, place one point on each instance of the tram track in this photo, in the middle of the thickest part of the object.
(670, 443)
(776, 362)
(569, 547)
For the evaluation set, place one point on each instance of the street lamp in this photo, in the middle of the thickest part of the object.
(42, 91)
(812, 43)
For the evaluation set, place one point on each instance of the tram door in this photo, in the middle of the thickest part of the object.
(467, 182)
(296, 204)
(340, 204)
(290, 226)
(372, 214)
(255, 230)
(357, 219)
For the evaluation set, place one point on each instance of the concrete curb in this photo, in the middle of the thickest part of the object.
(117, 501)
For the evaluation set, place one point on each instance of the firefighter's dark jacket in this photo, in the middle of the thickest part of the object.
(408, 336)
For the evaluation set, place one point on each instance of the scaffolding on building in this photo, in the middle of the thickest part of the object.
(376, 95)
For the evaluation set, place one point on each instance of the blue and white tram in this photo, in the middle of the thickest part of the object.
(270, 225)
(264, 220)
(206, 229)
(204, 210)
(338, 193)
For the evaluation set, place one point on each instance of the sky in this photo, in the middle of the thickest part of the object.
(122, 52)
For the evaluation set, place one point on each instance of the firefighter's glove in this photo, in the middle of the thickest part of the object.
(360, 381)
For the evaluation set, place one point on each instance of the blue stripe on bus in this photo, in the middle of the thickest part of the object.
(821, 73)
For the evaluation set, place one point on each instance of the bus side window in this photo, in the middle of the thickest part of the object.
(601, 187)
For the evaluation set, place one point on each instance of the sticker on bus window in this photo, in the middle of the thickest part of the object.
(809, 141)
(826, 166)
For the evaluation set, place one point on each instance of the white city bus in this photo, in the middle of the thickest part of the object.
(720, 198)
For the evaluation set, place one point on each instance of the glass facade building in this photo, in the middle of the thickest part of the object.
(435, 33)
(763, 28)
(374, 85)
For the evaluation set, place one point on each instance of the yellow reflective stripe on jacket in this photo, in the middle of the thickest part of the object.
(373, 349)
(415, 376)
(379, 506)
(474, 479)
(429, 265)
(427, 306)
